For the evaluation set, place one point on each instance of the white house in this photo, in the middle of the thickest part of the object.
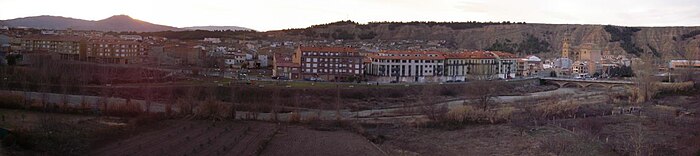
(212, 40)
(263, 61)
(131, 37)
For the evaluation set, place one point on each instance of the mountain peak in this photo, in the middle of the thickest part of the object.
(121, 17)
(114, 23)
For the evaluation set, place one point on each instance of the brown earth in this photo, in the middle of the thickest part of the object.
(239, 138)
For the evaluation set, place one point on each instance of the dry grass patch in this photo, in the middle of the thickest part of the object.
(469, 113)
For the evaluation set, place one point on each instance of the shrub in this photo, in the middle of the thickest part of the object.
(51, 136)
(12, 101)
(445, 91)
(555, 108)
(211, 109)
(126, 109)
(470, 114)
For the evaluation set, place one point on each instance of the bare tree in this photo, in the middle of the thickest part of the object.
(337, 103)
(427, 104)
(646, 83)
(690, 57)
(485, 92)
(233, 102)
(275, 104)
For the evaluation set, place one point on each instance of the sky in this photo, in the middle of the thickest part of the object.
(263, 15)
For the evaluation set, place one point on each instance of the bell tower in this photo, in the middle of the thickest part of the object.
(566, 47)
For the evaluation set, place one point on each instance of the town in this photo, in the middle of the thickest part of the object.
(404, 61)
(296, 86)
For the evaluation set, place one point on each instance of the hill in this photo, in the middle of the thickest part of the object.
(523, 38)
(218, 28)
(114, 23)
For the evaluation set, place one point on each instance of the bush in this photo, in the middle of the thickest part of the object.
(555, 108)
(470, 114)
(11, 101)
(448, 92)
(211, 109)
(52, 136)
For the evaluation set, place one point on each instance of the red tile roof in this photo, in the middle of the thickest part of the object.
(408, 55)
(479, 55)
(327, 49)
(53, 38)
(280, 60)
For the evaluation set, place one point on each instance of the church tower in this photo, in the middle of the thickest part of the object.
(566, 47)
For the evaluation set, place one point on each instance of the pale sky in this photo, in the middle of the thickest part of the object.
(266, 15)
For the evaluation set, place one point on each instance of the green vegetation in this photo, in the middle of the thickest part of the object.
(395, 25)
(367, 36)
(340, 34)
(654, 51)
(194, 34)
(11, 101)
(690, 34)
(533, 45)
(530, 45)
(51, 136)
(624, 71)
(13, 59)
(624, 36)
(451, 25)
(507, 46)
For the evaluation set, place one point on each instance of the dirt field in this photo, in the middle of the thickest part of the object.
(239, 138)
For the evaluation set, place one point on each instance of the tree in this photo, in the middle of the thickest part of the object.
(12, 59)
(645, 82)
(428, 106)
(553, 74)
(488, 90)
(690, 57)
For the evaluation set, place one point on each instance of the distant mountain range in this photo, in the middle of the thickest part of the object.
(117, 23)
(114, 23)
(217, 28)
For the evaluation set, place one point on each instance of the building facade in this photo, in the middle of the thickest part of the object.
(66, 47)
(407, 66)
(114, 50)
(102, 49)
(481, 65)
(329, 63)
(284, 68)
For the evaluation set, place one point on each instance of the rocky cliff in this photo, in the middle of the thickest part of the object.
(664, 42)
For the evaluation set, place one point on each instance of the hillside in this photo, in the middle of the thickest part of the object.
(114, 23)
(218, 28)
(543, 39)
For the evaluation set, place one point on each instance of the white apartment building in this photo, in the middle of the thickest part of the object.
(407, 66)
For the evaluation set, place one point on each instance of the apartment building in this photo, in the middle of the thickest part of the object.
(329, 63)
(98, 49)
(406, 66)
(115, 50)
(66, 47)
(283, 67)
(529, 66)
(480, 65)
